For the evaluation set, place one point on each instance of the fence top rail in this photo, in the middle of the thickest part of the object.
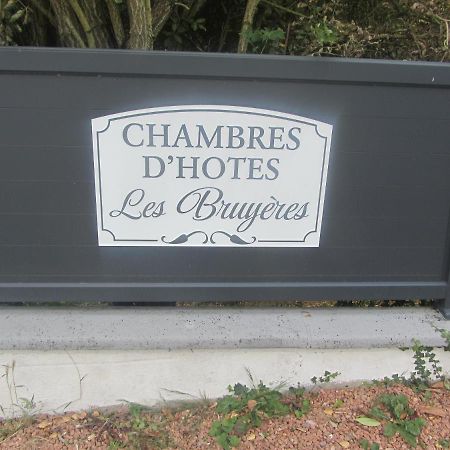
(220, 65)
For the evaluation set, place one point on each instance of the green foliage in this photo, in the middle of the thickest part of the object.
(115, 444)
(371, 29)
(268, 401)
(323, 34)
(327, 377)
(395, 404)
(444, 443)
(401, 419)
(409, 430)
(366, 445)
(222, 430)
(445, 334)
(265, 40)
(425, 364)
(245, 407)
(368, 421)
(183, 30)
(427, 368)
(396, 29)
(137, 421)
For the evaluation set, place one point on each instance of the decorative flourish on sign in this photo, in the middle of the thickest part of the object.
(182, 238)
(235, 239)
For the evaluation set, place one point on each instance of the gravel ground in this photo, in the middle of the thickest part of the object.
(329, 425)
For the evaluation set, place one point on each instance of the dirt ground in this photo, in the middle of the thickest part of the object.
(330, 424)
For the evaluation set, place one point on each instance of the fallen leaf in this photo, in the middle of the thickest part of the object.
(328, 411)
(368, 422)
(437, 385)
(251, 437)
(44, 424)
(90, 437)
(433, 411)
(344, 444)
(96, 413)
(251, 404)
(53, 436)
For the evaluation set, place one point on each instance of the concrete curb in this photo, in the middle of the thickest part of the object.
(86, 378)
(58, 328)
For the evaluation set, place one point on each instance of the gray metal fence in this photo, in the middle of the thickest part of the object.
(385, 226)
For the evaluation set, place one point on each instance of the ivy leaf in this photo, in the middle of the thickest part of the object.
(234, 441)
(368, 422)
(390, 429)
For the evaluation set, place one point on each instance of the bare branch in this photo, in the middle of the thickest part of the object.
(247, 23)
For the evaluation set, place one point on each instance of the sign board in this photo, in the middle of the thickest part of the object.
(210, 176)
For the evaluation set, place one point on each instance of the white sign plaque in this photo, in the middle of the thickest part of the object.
(210, 176)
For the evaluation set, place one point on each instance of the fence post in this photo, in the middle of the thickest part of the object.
(444, 305)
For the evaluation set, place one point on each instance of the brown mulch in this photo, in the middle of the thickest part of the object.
(329, 425)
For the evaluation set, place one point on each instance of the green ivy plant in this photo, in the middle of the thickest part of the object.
(327, 377)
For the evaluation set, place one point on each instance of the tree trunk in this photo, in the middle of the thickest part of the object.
(141, 24)
(247, 23)
(69, 31)
(116, 22)
(161, 12)
(96, 15)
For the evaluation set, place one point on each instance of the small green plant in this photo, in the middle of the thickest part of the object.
(137, 421)
(115, 445)
(323, 34)
(222, 430)
(445, 334)
(146, 431)
(366, 445)
(444, 443)
(401, 419)
(265, 39)
(25, 407)
(245, 407)
(426, 365)
(327, 377)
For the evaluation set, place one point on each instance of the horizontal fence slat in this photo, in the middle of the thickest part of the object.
(185, 64)
(220, 263)
(350, 232)
(148, 292)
